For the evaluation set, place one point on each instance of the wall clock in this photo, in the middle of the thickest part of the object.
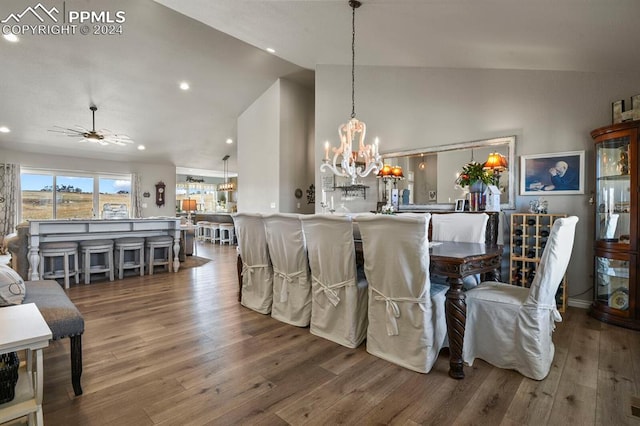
(160, 186)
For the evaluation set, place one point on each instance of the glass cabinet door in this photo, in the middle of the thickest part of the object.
(613, 181)
(612, 282)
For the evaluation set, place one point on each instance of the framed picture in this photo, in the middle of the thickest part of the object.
(459, 205)
(560, 173)
(432, 195)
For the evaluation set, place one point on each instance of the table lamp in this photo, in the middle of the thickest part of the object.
(189, 206)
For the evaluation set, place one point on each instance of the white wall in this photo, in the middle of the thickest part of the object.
(150, 174)
(409, 108)
(296, 171)
(274, 150)
(258, 153)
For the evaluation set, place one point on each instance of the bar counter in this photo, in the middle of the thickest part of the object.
(41, 231)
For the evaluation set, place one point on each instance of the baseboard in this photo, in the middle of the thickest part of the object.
(579, 303)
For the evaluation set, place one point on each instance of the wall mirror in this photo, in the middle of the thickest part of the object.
(430, 173)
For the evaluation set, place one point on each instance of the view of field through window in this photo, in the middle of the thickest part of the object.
(74, 195)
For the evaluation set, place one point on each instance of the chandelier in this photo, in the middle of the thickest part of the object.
(226, 186)
(347, 162)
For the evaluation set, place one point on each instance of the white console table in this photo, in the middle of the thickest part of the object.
(24, 329)
(97, 229)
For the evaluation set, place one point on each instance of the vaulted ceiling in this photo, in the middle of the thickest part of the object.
(218, 46)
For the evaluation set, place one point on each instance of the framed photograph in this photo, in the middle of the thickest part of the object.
(560, 173)
(459, 205)
(432, 195)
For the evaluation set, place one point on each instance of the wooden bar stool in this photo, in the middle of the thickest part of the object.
(129, 244)
(99, 248)
(53, 251)
(163, 242)
(227, 233)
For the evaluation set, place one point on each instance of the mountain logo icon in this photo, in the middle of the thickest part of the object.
(38, 11)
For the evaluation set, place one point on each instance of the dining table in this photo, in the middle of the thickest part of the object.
(455, 261)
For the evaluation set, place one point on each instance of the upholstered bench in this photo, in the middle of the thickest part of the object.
(62, 317)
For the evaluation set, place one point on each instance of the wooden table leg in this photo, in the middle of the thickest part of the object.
(456, 310)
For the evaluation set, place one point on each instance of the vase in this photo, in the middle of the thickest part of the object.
(476, 196)
(477, 186)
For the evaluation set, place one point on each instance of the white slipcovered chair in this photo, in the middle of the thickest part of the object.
(407, 324)
(461, 228)
(257, 272)
(510, 326)
(291, 276)
(339, 300)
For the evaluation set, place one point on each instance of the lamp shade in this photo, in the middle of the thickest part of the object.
(496, 161)
(397, 172)
(385, 171)
(189, 205)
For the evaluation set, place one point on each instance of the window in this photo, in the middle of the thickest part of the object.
(74, 197)
(50, 194)
(115, 191)
(204, 193)
(37, 196)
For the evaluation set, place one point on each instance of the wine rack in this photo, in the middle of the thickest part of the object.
(529, 235)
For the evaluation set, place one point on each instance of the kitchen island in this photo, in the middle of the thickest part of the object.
(42, 231)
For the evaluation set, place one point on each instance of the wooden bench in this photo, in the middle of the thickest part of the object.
(62, 317)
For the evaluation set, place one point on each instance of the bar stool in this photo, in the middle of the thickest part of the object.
(129, 244)
(97, 247)
(214, 229)
(52, 251)
(227, 233)
(204, 232)
(164, 242)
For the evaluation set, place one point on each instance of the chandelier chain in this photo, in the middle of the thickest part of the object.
(353, 60)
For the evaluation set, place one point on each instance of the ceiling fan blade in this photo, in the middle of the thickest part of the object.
(66, 131)
(119, 139)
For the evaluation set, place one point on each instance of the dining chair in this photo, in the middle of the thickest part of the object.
(510, 326)
(459, 227)
(407, 324)
(291, 275)
(462, 228)
(339, 291)
(257, 272)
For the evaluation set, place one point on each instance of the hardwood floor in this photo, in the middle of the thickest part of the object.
(178, 349)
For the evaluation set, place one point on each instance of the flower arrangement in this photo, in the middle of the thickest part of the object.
(387, 209)
(474, 172)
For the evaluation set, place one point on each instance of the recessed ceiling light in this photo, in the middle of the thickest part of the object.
(10, 37)
(271, 50)
(184, 85)
(141, 147)
(229, 141)
(4, 129)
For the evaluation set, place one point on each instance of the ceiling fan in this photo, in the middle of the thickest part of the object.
(103, 136)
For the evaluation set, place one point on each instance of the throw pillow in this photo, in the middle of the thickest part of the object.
(12, 287)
